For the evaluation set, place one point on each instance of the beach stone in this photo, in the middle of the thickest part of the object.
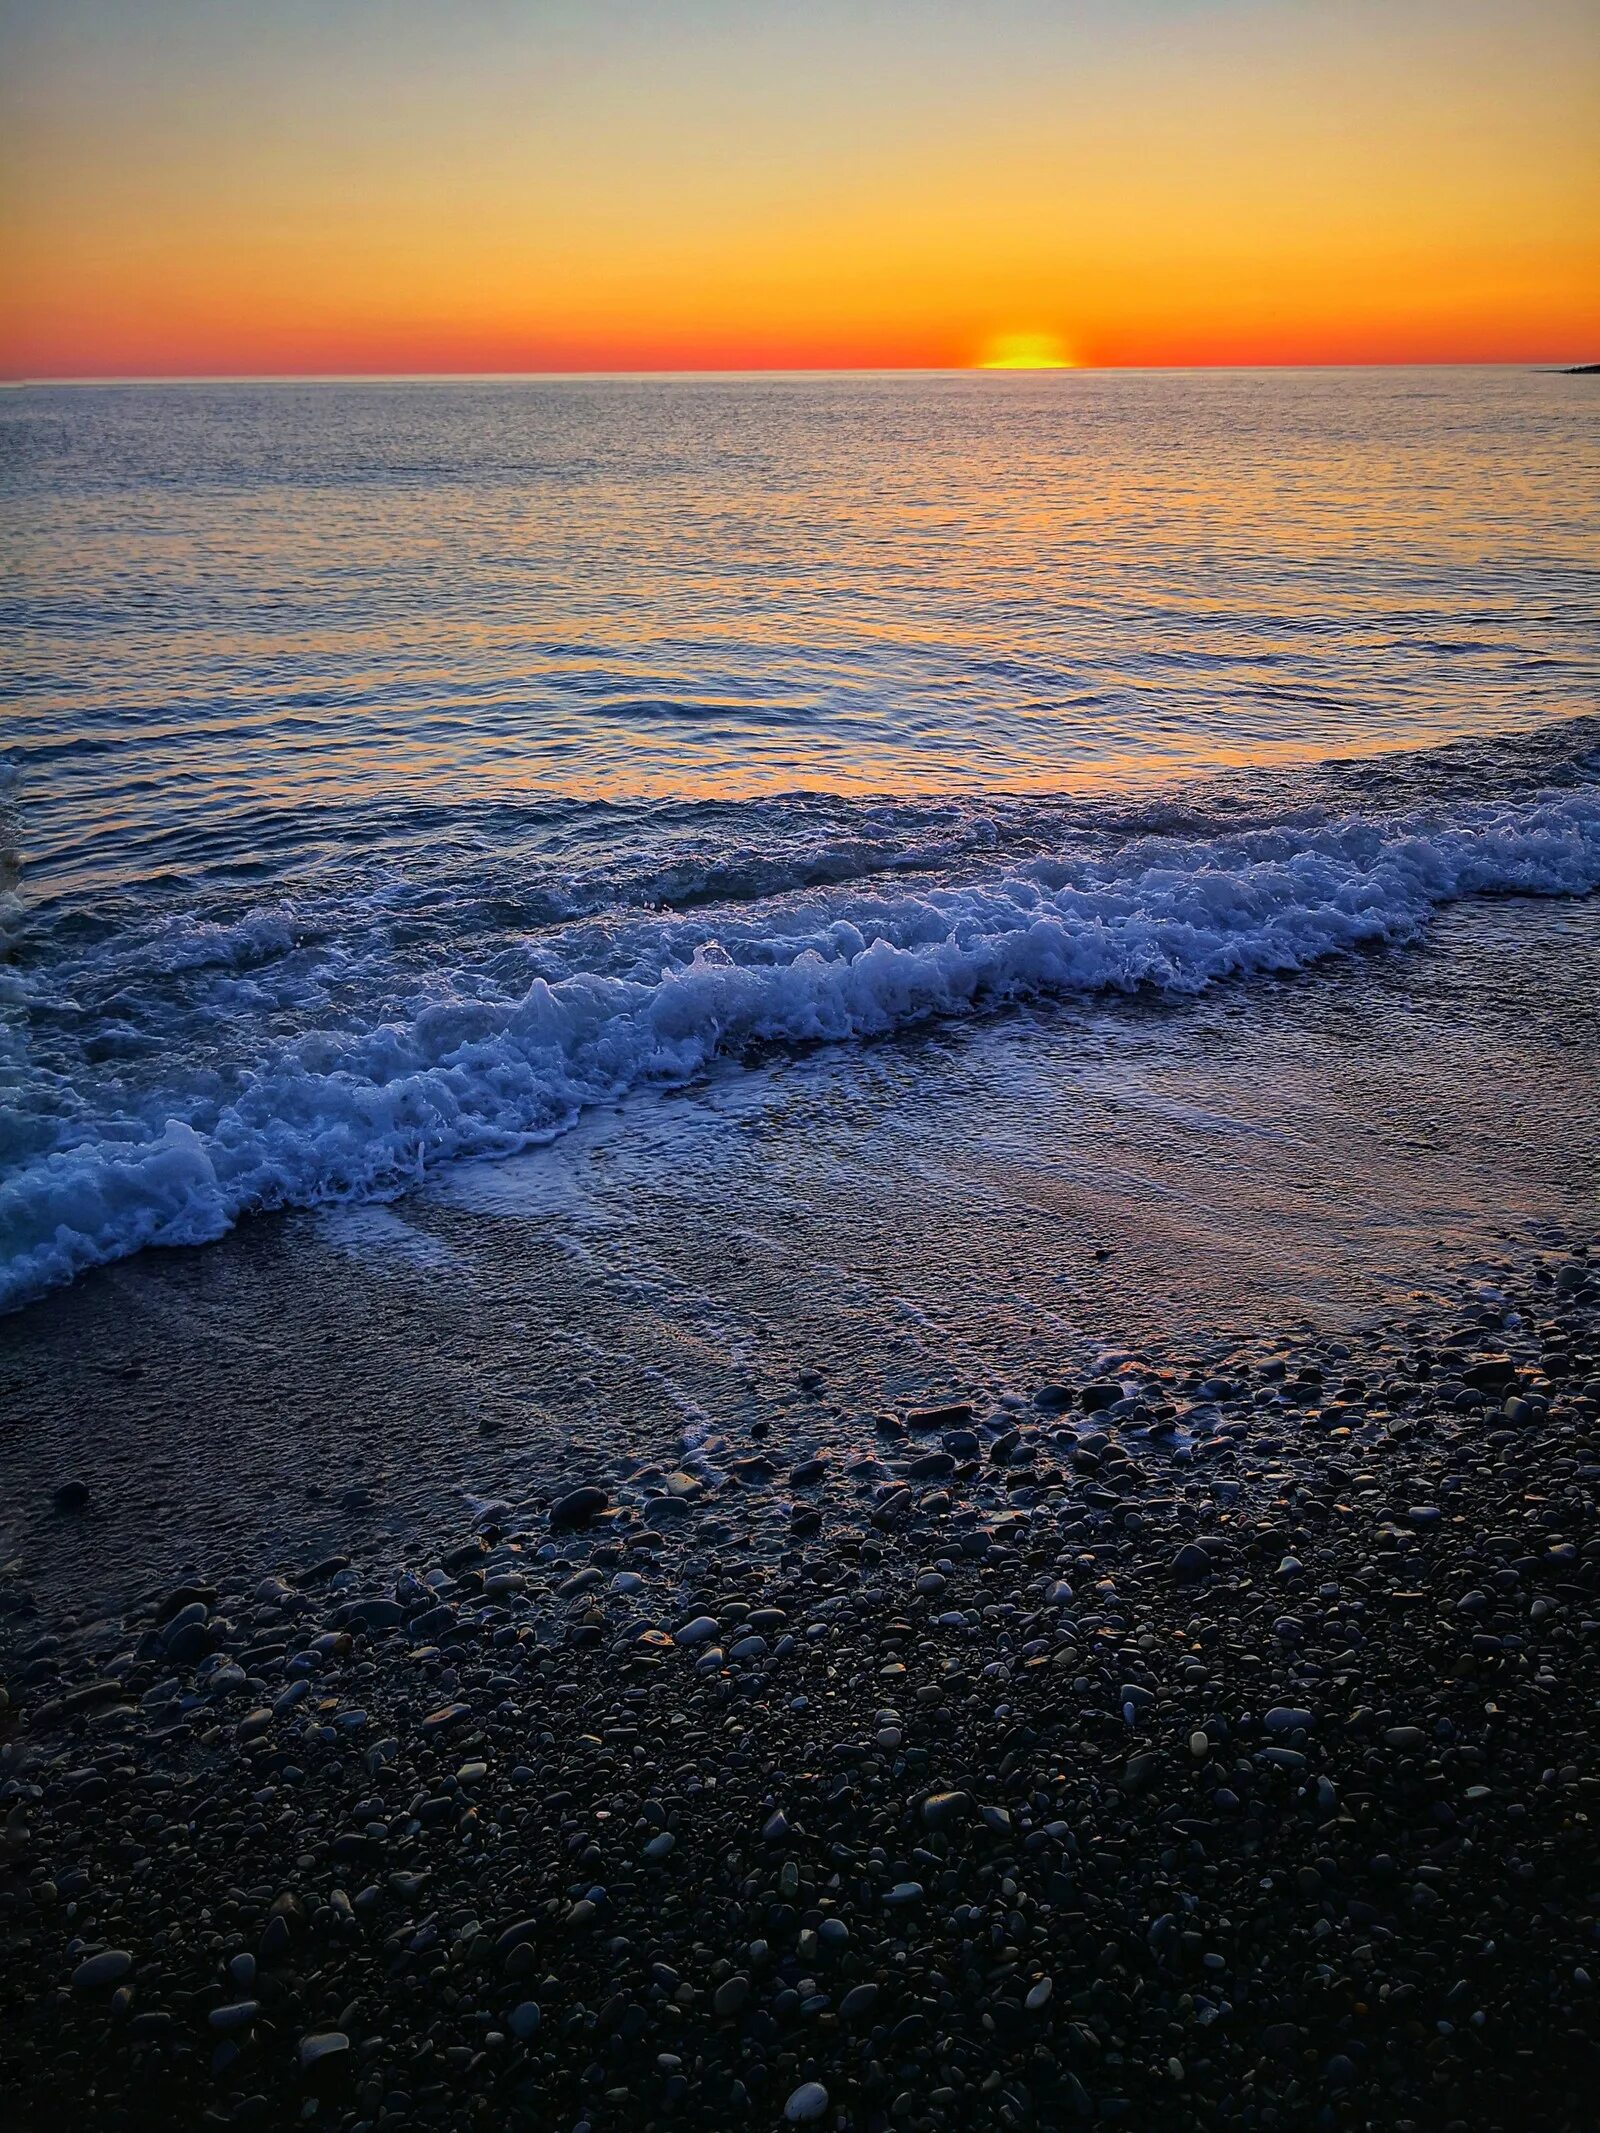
(942, 1810)
(699, 1629)
(322, 2049)
(1492, 1375)
(951, 1417)
(205, 1596)
(96, 1972)
(237, 2014)
(806, 2103)
(1406, 1737)
(731, 1995)
(523, 2020)
(1191, 1563)
(579, 1507)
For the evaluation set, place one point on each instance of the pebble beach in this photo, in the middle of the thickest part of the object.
(1163, 1749)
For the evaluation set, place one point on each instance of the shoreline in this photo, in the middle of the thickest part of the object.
(958, 1209)
(1171, 1751)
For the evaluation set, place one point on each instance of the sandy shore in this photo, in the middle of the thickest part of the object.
(1166, 1749)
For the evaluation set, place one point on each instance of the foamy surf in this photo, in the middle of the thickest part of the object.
(361, 1109)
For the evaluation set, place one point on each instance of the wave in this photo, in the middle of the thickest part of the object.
(364, 1109)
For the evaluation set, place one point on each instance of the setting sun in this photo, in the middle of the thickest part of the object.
(1026, 351)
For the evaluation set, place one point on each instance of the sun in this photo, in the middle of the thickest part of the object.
(1026, 351)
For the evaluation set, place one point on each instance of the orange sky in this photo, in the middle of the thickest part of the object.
(213, 186)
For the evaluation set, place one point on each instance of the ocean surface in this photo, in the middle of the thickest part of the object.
(397, 775)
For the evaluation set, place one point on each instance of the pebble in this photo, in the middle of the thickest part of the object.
(940, 1810)
(805, 2103)
(578, 1507)
(236, 2014)
(700, 1629)
(1284, 1718)
(317, 2050)
(731, 1995)
(96, 1972)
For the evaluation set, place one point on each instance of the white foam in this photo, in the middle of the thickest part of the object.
(359, 1114)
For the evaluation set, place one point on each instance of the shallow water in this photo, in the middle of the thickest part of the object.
(399, 771)
(948, 1213)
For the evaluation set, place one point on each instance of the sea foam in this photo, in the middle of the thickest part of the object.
(362, 1112)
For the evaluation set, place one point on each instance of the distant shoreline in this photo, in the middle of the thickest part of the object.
(800, 372)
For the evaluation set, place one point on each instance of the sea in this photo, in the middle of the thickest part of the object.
(687, 876)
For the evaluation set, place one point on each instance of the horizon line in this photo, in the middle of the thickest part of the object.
(1552, 365)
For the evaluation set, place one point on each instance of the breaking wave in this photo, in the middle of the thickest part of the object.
(357, 1053)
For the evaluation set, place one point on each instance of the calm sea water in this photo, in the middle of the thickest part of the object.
(392, 771)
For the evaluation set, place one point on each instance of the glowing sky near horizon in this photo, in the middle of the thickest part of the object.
(224, 186)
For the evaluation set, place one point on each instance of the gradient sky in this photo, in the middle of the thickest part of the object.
(222, 186)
